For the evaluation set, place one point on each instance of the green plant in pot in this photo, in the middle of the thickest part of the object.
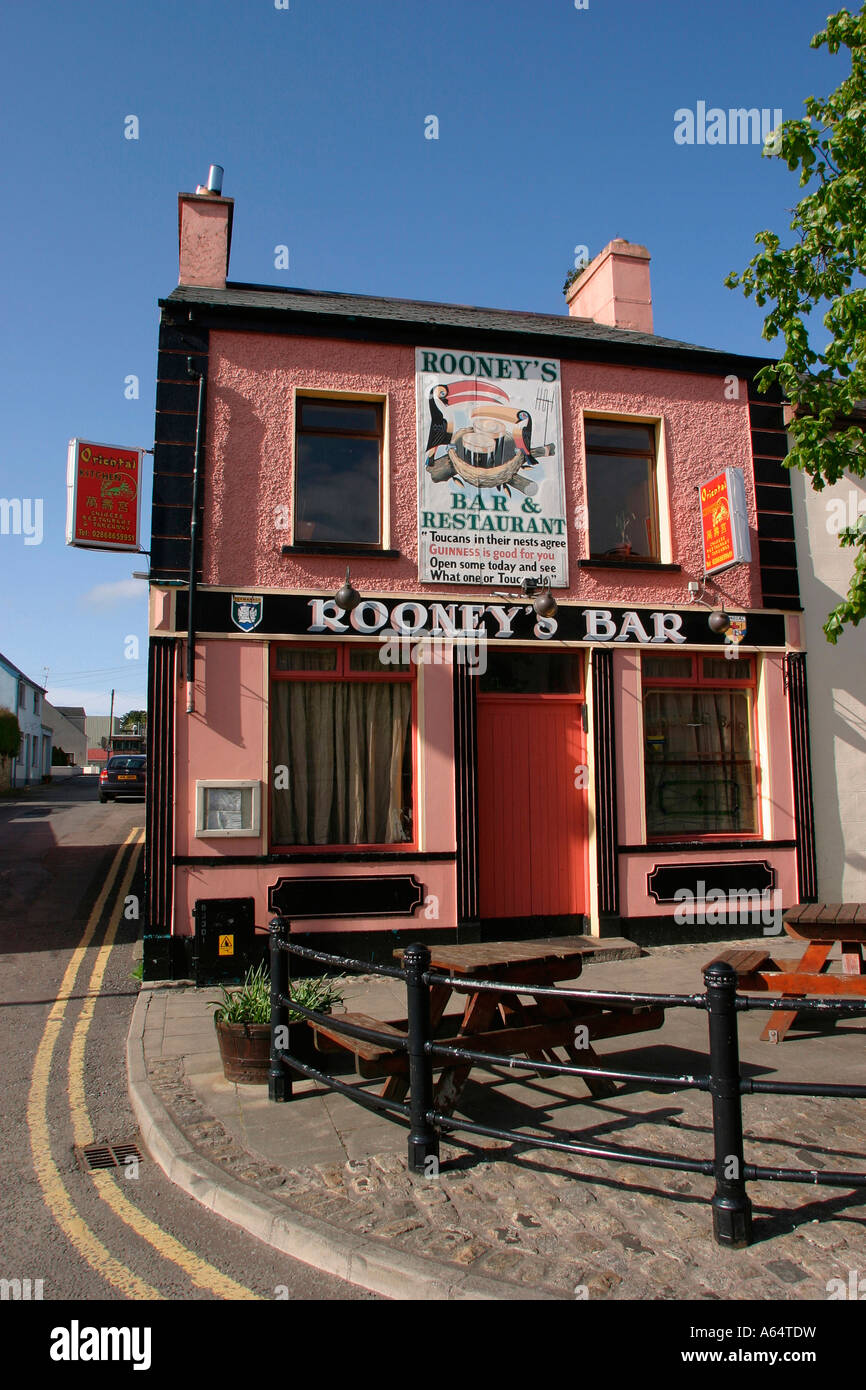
(624, 522)
(242, 1018)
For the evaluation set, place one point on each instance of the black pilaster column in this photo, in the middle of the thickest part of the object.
(804, 814)
(159, 884)
(466, 798)
(604, 746)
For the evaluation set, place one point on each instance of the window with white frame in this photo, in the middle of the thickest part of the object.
(227, 807)
(338, 471)
(622, 490)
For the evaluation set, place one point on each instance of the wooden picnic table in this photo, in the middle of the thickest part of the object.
(821, 926)
(501, 1022)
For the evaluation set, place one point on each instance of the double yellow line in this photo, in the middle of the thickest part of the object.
(57, 1198)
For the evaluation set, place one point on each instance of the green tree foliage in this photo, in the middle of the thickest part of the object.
(135, 716)
(10, 734)
(823, 269)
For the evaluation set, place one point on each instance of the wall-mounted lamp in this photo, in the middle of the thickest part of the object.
(544, 603)
(347, 597)
(718, 621)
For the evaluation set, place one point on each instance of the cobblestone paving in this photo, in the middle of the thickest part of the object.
(583, 1228)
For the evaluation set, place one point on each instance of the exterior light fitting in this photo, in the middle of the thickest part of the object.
(347, 597)
(719, 621)
(545, 604)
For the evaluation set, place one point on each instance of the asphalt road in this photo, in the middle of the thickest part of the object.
(95, 1236)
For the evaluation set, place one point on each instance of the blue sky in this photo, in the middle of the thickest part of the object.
(555, 130)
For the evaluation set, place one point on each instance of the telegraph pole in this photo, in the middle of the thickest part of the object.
(111, 725)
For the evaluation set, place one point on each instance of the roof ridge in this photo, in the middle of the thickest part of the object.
(399, 299)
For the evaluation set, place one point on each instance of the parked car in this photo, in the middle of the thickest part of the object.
(125, 774)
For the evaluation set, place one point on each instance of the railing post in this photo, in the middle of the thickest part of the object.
(279, 1076)
(423, 1138)
(732, 1208)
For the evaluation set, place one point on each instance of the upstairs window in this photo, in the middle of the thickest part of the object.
(338, 472)
(621, 490)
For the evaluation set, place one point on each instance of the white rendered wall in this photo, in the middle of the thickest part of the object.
(837, 686)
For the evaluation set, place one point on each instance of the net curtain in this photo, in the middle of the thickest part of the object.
(344, 745)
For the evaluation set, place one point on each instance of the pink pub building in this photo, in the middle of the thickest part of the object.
(560, 691)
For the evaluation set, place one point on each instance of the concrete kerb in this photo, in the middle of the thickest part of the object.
(356, 1259)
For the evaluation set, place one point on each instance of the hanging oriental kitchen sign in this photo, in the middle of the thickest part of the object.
(725, 521)
(103, 492)
(491, 491)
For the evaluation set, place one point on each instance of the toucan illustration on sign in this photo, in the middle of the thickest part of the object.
(476, 435)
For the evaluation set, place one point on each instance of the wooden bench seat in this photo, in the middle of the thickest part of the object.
(785, 976)
(820, 926)
(374, 1059)
(745, 962)
(535, 1034)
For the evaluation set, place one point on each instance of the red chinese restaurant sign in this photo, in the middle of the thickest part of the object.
(724, 521)
(103, 486)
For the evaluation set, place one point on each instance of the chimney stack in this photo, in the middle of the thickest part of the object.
(615, 288)
(204, 232)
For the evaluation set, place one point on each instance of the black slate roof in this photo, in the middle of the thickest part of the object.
(326, 303)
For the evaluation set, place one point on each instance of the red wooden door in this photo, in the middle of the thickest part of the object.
(532, 813)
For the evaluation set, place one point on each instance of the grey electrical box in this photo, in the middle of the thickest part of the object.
(224, 935)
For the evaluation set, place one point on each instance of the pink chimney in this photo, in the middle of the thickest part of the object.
(615, 288)
(204, 230)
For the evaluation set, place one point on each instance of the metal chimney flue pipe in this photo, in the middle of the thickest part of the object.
(215, 178)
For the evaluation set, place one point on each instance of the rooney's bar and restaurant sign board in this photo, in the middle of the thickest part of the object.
(103, 496)
(219, 612)
(491, 491)
(725, 521)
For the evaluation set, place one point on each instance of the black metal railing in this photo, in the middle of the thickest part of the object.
(731, 1205)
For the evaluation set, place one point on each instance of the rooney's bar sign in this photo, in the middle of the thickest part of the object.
(503, 621)
(312, 616)
(491, 491)
(412, 619)
(103, 496)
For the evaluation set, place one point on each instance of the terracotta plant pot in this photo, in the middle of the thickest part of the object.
(245, 1049)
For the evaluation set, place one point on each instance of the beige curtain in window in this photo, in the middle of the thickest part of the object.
(344, 746)
(700, 774)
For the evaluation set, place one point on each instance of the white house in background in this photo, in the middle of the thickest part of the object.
(25, 698)
(837, 686)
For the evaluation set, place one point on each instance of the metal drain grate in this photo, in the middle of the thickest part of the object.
(92, 1157)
